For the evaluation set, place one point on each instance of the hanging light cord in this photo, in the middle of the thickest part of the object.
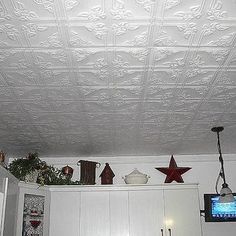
(222, 171)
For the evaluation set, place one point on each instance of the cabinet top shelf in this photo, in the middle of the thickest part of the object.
(122, 187)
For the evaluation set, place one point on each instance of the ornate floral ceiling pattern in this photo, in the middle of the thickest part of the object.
(114, 77)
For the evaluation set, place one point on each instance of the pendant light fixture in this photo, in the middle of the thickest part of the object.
(226, 194)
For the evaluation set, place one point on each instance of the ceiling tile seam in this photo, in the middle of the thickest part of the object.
(204, 99)
(26, 112)
(63, 32)
(147, 69)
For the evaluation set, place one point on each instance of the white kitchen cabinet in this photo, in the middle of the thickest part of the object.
(145, 212)
(182, 214)
(33, 208)
(95, 217)
(119, 213)
(8, 203)
(130, 210)
(65, 213)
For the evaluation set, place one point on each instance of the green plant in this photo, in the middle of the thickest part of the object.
(47, 175)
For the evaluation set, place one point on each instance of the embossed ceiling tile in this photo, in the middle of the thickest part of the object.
(125, 106)
(93, 11)
(6, 94)
(227, 79)
(21, 128)
(42, 35)
(83, 35)
(175, 127)
(77, 139)
(173, 34)
(132, 57)
(2, 80)
(163, 56)
(29, 93)
(215, 105)
(157, 105)
(12, 58)
(67, 106)
(179, 117)
(206, 146)
(55, 78)
(92, 78)
(154, 117)
(99, 118)
(197, 134)
(98, 106)
(181, 9)
(223, 93)
(185, 105)
(15, 118)
(208, 117)
(229, 118)
(202, 79)
(77, 9)
(21, 78)
(152, 129)
(10, 34)
(43, 118)
(160, 92)
(34, 10)
(36, 105)
(212, 57)
(95, 93)
(126, 131)
(62, 93)
(128, 78)
(232, 60)
(219, 34)
(74, 118)
(50, 57)
(47, 128)
(132, 34)
(227, 9)
(200, 126)
(131, 117)
(92, 57)
(10, 107)
(128, 92)
(192, 93)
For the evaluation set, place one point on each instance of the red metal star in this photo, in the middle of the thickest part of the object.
(173, 172)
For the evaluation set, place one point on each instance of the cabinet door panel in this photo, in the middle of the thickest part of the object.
(94, 218)
(182, 212)
(119, 215)
(65, 212)
(146, 212)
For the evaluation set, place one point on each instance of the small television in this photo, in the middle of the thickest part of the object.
(218, 212)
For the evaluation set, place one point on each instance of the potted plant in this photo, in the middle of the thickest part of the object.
(32, 169)
(28, 168)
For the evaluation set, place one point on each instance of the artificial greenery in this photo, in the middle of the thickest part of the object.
(48, 175)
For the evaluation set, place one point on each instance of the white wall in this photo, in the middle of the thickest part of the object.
(205, 169)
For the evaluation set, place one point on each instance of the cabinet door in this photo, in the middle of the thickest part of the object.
(94, 217)
(119, 213)
(64, 213)
(182, 212)
(146, 213)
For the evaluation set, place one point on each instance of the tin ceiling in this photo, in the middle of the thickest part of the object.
(103, 77)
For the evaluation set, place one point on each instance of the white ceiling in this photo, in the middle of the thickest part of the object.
(112, 78)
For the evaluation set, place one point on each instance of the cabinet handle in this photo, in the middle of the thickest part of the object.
(169, 232)
(162, 232)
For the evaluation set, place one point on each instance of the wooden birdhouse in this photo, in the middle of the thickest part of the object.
(107, 175)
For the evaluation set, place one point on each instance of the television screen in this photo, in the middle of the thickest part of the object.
(215, 211)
